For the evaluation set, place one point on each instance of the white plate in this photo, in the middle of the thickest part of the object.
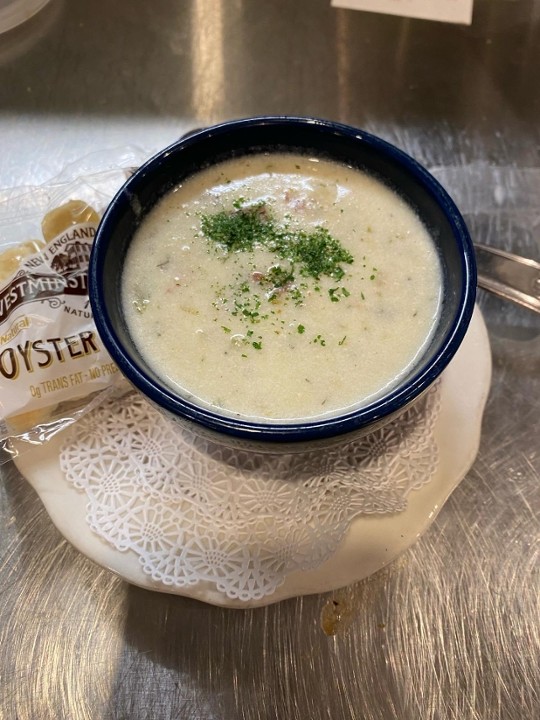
(372, 541)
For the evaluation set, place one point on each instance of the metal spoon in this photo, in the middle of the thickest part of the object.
(509, 276)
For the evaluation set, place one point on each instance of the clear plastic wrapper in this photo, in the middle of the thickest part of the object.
(53, 365)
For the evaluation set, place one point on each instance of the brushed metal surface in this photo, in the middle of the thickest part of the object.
(450, 630)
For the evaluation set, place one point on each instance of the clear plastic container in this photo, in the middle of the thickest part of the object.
(16, 12)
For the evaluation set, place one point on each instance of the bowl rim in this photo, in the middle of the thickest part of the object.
(295, 431)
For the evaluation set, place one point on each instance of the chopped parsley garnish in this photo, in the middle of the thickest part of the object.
(278, 276)
(248, 227)
(337, 293)
(302, 258)
(241, 229)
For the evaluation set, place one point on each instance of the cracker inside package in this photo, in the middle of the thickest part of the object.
(52, 362)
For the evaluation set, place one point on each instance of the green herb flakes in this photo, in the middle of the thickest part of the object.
(302, 258)
(337, 293)
(315, 253)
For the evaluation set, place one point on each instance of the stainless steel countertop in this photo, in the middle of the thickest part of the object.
(451, 629)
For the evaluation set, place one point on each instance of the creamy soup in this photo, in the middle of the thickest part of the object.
(281, 287)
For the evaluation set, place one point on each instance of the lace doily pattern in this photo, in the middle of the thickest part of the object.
(195, 511)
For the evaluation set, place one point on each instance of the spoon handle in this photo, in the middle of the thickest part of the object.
(510, 276)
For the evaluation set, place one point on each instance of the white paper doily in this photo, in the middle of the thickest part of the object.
(192, 510)
(170, 511)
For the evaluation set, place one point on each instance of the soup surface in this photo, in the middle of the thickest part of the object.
(282, 287)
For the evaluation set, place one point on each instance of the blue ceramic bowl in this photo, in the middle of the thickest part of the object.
(328, 139)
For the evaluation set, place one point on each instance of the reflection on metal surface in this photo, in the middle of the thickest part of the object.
(207, 53)
(343, 65)
(20, 40)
